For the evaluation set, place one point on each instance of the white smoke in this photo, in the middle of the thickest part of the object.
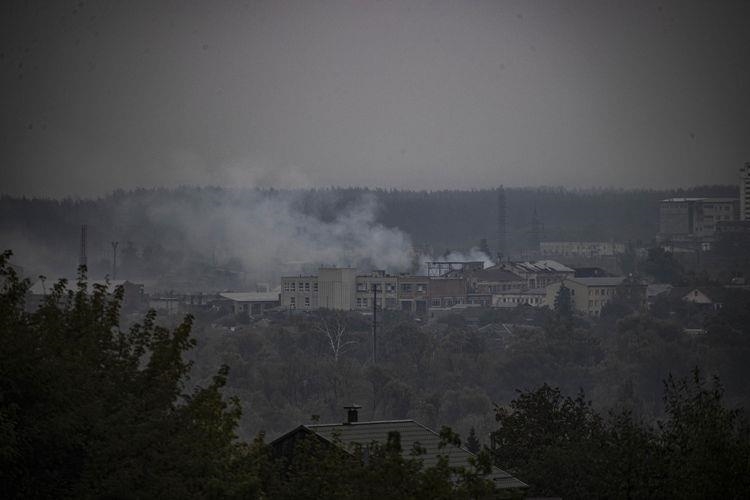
(473, 255)
(271, 236)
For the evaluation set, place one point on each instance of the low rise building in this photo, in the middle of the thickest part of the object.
(588, 295)
(354, 434)
(414, 293)
(535, 297)
(447, 292)
(589, 249)
(252, 303)
(538, 274)
(387, 291)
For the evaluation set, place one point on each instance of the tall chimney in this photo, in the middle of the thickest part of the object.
(501, 229)
(352, 414)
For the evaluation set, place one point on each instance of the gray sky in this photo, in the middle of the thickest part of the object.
(428, 95)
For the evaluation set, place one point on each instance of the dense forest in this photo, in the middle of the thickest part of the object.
(215, 238)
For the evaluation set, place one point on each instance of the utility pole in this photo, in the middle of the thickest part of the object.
(374, 323)
(114, 260)
(82, 260)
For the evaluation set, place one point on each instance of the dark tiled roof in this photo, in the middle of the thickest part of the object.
(411, 432)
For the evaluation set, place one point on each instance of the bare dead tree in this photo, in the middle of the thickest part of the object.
(335, 330)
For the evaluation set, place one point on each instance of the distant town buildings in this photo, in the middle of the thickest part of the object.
(691, 219)
(580, 248)
(508, 284)
(590, 295)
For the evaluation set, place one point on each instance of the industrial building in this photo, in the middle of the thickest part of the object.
(447, 285)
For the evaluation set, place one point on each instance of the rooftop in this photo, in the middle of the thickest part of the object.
(251, 296)
(411, 433)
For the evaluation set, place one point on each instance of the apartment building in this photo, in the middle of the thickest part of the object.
(681, 218)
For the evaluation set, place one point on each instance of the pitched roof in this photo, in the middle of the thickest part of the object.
(411, 432)
(541, 266)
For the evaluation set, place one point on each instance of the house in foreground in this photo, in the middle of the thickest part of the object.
(351, 433)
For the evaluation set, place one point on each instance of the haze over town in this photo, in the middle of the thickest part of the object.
(374, 249)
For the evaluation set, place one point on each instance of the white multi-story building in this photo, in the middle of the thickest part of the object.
(580, 248)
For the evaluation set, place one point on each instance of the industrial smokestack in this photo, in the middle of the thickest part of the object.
(501, 245)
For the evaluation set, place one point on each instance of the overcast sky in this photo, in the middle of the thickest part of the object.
(427, 95)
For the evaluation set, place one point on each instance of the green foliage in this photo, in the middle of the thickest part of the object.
(472, 443)
(564, 302)
(91, 410)
(663, 267)
(562, 446)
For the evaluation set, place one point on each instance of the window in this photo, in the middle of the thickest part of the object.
(364, 302)
(390, 287)
(307, 286)
(359, 302)
(435, 302)
(292, 303)
(300, 286)
(286, 287)
(307, 301)
(406, 287)
(315, 286)
(291, 287)
(420, 287)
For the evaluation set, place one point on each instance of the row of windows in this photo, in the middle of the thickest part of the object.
(409, 287)
(293, 302)
(367, 287)
(301, 286)
(601, 291)
(522, 300)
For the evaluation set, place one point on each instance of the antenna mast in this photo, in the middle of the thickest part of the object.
(114, 260)
(82, 260)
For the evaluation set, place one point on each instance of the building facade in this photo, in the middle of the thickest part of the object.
(686, 218)
(580, 248)
(588, 295)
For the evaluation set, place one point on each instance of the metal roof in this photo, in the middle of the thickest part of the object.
(251, 296)
(411, 432)
(543, 266)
